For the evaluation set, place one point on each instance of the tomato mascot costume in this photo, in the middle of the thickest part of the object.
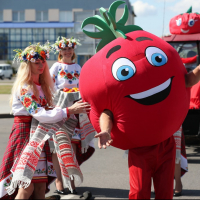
(186, 23)
(140, 79)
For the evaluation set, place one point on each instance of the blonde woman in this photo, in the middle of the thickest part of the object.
(31, 94)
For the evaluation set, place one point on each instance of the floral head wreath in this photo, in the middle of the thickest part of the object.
(64, 42)
(31, 55)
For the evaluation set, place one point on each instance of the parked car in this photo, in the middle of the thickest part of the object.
(5, 71)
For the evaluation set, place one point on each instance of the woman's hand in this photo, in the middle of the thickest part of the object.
(104, 139)
(79, 107)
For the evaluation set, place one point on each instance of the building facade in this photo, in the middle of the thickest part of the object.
(25, 21)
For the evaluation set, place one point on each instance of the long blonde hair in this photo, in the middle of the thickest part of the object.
(24, 77)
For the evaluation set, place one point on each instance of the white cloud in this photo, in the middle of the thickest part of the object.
(183, 5)
(144, 9)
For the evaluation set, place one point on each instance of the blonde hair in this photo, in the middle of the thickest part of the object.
(24, 76)
(60, 56)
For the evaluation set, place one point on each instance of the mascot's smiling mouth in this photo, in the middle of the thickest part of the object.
(184, 31)
(153, 95)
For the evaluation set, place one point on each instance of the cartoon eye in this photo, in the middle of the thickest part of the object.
(156, 56)
(123, 69)
(178, 22)
(191, 22)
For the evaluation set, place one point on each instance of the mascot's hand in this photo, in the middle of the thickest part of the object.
(104, 139)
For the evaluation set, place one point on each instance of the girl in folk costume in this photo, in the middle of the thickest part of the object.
(31, 97)
(65, 74)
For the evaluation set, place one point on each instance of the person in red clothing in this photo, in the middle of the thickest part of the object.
(150, 161)
(139, 98)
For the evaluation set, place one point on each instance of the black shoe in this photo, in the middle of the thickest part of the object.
(177, 194)
(74, 192)
(61, 192)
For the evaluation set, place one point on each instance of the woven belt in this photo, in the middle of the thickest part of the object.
(22, 119)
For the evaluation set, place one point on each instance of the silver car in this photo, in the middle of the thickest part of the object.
(5, 71)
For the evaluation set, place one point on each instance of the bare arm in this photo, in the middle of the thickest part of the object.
(192, 77)
(106, 123)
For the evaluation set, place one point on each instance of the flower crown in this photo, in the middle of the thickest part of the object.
(41, 52)
(64, 42)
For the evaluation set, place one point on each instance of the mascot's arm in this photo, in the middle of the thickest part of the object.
(106, 122)
(192, 77)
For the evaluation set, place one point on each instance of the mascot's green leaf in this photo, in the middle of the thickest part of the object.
(113, 9)
(96, 20)
(108, 28)
(189, 10)
(96, 35)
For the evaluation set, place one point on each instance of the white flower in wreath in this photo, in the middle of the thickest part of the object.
(32, 60)
(63, 45)
(32, 53)
(75, 46)
(47, 55)
(70, 44)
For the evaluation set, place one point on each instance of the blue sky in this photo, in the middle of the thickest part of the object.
(150, 13)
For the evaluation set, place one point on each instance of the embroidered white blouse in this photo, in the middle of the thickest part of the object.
(26, 103)
(65, 75)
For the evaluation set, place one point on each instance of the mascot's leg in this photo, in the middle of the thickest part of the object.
(141, 164)
(163, 176)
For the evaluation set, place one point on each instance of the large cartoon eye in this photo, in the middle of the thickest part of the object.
(123, 69)
(178, 22)
(156, 56)
(191, 22)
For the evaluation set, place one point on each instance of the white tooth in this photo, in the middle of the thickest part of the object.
(185, 31)
(152, 91)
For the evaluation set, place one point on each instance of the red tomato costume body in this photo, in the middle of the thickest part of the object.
(149, 106)
(141, 80)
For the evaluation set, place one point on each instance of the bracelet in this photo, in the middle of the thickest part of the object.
(68, 115)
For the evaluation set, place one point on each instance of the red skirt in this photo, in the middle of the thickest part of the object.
(18, 140)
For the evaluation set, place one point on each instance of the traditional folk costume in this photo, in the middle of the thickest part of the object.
(66, 75)
(25, 106)
(28, 154)
(141, 80)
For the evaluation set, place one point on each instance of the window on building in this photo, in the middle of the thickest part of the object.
(1, 16)
(66, 16)
(18, 16)
(79, 17)
(42, 16)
